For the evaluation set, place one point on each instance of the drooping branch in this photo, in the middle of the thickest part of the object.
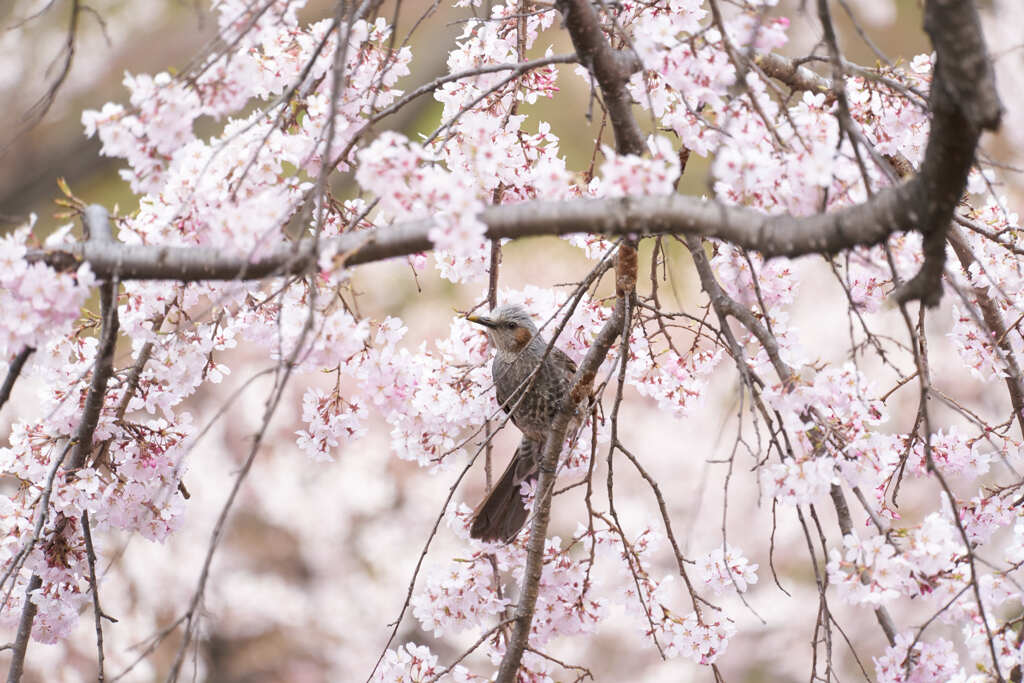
(611, 69)
(13, 371)
(725, 306)
(996, 326)
(37, 112)
(97, 229)
(580, 387)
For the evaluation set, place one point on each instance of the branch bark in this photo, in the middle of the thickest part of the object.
(611, 68)
(893, 210)
(28, 614)
(97, 226)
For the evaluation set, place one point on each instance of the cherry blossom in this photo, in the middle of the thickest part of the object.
(910, 660)
(726, 569)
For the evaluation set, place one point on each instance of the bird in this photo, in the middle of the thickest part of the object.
(532, 402)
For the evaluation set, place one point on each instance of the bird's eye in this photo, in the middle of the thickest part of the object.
(510, 325)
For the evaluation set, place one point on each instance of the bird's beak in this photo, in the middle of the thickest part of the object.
(482, 320)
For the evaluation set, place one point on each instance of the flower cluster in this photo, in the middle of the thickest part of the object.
(702, 640)
(332, 421)
(794, 482)
(725, 569)
(461, 597)
(915, 661)
(868, 571)
(399, 173)
(38, 302)
(625, 176)
(953, 453)
(414, 664)
(677, 384)
(834, 420)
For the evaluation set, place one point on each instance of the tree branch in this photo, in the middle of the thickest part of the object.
(963, 101)
(996, 327)
(97, 227)
(13, 371)
(611, 68)
(892, 210)
(791, 73)
(28, 614)
(581, 386)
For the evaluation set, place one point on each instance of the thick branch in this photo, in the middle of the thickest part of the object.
(963, 101)
(964, 81)
(612, 69)
(789, 72)
(892, 210)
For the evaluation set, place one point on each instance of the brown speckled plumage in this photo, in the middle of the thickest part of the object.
(532, 404)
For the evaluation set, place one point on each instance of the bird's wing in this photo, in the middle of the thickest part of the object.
(565, 365)
(567, 369)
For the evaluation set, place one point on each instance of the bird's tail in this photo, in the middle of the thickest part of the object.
(501, 515)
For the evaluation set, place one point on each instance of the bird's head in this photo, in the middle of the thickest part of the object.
(509, 327)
